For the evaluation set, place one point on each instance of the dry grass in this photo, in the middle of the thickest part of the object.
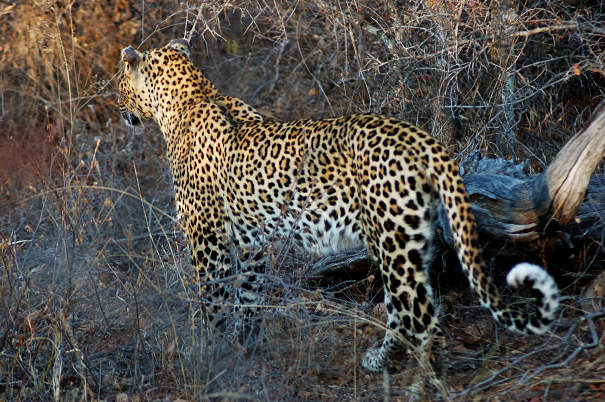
(97, 296)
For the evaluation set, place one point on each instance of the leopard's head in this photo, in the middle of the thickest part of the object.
(140, 71)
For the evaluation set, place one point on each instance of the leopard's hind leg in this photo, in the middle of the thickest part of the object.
(400, 236)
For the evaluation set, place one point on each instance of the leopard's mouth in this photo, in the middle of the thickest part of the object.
(130, 119)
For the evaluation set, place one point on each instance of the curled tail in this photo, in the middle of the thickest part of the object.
(445, 176)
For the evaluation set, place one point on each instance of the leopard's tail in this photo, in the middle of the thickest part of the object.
(445, 176)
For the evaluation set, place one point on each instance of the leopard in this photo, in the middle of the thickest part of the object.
(328, 185)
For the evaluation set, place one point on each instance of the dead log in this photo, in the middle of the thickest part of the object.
(567, 177)
(521, 208)
(510, 205)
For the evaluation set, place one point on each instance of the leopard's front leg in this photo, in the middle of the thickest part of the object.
(224, 286)
(212, 262)
(229, 283)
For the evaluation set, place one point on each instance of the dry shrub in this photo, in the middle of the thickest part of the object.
(508, 78)
(470, 73)
(513, 80)
(59, 63)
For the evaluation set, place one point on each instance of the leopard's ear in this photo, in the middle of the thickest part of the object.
(130, 57)
(182, 46)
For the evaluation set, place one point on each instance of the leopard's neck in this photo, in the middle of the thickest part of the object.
(174, 99)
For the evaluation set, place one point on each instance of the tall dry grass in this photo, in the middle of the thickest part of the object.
(97, 297)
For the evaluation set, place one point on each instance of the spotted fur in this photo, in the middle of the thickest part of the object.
(330, 185)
